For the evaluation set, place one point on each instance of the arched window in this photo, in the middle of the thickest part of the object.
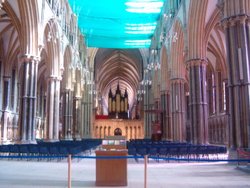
(211, 89)
(13, 83)
(222, 93)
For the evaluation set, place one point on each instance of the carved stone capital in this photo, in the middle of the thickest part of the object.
(29, 58)
(177, 81)
(196, 62)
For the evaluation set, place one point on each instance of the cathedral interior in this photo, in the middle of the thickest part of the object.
(176, 70)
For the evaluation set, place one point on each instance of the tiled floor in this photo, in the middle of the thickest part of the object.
(27, 174)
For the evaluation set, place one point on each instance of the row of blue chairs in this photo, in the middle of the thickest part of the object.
(46, 149)
(174, 150)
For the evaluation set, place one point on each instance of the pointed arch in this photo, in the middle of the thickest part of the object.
(29, 16)
(67, 74)
(196, 29)
(51, 41)
(177, 52)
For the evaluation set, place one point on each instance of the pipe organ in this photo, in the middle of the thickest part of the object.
(118, 104)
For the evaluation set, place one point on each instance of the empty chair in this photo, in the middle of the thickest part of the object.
(75, 150)
(44, 151)
(33, 150)
(63, 151)
(132, 151)
(173, 151)
(152, 151)
(14, 149)
(141, 151)
(4, 149)
(24, 150)
(162, 151)
(54, 152)
(183, 151)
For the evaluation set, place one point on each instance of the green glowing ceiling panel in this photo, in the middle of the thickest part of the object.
(117, 23)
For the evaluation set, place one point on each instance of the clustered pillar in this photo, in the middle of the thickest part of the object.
(53, 98)
(178, 109)
(147, 116)
(67, 115)
(237, 31)
(77, 118)
(198, 101)
(28, 99)
(6, 103)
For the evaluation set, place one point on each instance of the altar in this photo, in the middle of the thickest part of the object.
(130, 129)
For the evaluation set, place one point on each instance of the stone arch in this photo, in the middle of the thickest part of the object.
(118, 132)
(135, 132)
(100, 132)
(11, 32)
(177, 52)
(130, 132)
(51, 41)
(42, 90)
(215, 40)
(105, 131)
(196, 33)
(109, 131)
(29, 9)
(96, 132)
(67, 74)
(43, 71)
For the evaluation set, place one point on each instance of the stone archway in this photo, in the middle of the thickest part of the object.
(118, 132)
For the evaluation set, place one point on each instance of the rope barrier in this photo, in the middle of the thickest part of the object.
(146, 157)
(123, 157)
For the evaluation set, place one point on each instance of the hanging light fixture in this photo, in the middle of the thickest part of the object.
(155, 64)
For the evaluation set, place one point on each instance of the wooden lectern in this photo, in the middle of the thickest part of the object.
(111, 172)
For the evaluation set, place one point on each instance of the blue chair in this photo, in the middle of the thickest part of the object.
(24, 150)
(5, 149)
(44, 151)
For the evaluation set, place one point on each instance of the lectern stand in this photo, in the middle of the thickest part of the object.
(112, 172)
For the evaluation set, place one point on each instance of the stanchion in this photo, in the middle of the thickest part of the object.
(69, 171)
(145, 170)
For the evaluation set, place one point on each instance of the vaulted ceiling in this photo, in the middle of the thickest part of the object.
(8, 31)
(116, 65)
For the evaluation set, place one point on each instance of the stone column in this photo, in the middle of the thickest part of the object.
(178, 109)
(28, 99)
(88, 116)
(53, 100)
(165, 106)
(83, 120)
(56, 115)
(89, 113)
(76, 117)
(169, 128)
(147, 116)
(6, 104)
(67, 114)
(198, 101)
(237, 31)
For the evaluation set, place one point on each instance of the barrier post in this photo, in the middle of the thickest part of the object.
(69, 171)
(145, 170)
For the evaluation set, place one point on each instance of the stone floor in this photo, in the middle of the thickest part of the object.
(52, 174)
